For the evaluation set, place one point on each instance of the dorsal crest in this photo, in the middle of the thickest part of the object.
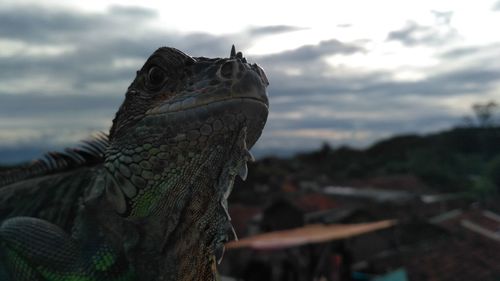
(88, 153)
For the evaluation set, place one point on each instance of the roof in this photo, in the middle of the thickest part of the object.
(242, 216)
(454, 256)
(308, 234)
(377, 195)
(449, 260)
(481, 222)
(314, 202)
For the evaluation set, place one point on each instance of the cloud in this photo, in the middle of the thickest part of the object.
(272, 30)
(47, 121)
(312, 53)
(132, 11)
(41, 24)
(381, 87)
(442, 18)
(85, 51)
(35, 105)
(460, 52)
(414, 34)
(496, 7)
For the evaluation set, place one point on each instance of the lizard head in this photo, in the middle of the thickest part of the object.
(172, 85)
(182, 117)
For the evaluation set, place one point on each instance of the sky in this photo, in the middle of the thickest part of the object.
(342, 72)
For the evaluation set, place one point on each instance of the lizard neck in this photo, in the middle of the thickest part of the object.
(181, 213)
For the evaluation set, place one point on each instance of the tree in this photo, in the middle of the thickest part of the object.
(485, 113)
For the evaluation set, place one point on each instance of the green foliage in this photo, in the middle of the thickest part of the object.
(447, 161)
(492, 172)
(482, 188)
(437, 168)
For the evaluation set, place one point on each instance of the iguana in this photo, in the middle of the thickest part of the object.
(149, 202)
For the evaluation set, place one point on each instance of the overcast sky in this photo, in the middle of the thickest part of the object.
(346, 72)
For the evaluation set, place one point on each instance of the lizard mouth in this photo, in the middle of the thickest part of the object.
(195, 103)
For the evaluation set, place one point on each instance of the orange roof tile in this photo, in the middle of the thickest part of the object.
(315, 233)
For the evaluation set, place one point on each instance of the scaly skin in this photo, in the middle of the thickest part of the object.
(156, 209)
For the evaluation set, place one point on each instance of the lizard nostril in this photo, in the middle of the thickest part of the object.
(226, 70)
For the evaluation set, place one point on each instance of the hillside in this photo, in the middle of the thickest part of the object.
(456, 160)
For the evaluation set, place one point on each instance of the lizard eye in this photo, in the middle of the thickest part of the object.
(156, 76)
